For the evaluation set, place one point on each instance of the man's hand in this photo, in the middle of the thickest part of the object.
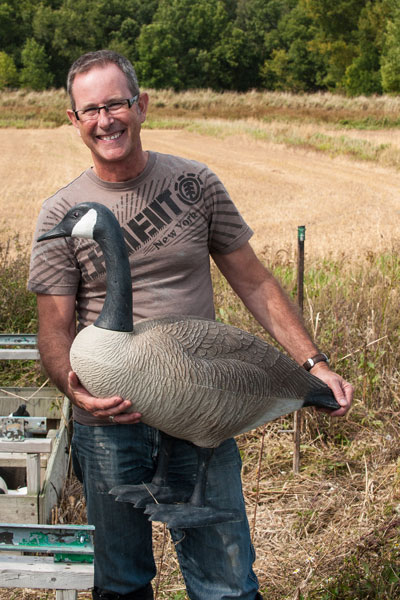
(115, 406)
(342, 390)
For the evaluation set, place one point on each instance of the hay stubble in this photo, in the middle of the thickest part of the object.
(347, 206)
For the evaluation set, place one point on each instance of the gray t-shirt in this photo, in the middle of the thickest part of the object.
(173, 216)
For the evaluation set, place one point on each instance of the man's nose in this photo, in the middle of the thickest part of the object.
(105, 116)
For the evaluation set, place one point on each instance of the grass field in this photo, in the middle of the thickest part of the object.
(331, 532)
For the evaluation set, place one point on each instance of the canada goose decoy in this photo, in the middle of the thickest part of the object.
(192, 378)
(20, 412)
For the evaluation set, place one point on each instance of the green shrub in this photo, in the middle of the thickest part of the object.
(35, 74)
(8, 71)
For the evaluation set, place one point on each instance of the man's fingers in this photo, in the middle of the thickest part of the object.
(99, 407)
(127, 418)
(342, 390)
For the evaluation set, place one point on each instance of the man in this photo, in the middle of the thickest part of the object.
(174, 213)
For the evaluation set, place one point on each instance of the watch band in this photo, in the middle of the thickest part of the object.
(310, 362)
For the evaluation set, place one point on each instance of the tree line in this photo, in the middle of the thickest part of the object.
(346, 46)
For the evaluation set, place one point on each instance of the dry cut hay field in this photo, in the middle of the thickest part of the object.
(348, 207)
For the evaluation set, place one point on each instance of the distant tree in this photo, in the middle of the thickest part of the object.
(69, 28)
(390, 59)
(158, 63)
(293, 64)
(44, 26)
(15, 25)
(338, 20)
(8, 71)
(35, 73)
(335, 36)
(363, 76)
(7, 20)
(231, 8)
(123, 40)
(232, 66)
(179, 48)
(258, 20)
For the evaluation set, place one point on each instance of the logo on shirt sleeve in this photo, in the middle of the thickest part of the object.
(189, 188)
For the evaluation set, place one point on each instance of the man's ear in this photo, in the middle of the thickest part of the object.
(142, 105)
(71, 116)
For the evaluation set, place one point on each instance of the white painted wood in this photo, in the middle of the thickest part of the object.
(18, 459)
(34, 445)
(66, 595)
(43, 573)
(57, 468)
(33, 473)
(19, 354)
(18, 509)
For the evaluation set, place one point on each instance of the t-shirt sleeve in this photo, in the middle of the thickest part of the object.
(228, 231)
(53, 267)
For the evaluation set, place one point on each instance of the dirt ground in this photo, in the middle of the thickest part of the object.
(347, 207)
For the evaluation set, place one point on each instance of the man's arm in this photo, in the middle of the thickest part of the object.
(264, 297)
(56, 334)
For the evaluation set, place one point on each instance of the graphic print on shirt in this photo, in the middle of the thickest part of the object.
(165, 219)
(158, 215)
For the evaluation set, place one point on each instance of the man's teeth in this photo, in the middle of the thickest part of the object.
(114, 136)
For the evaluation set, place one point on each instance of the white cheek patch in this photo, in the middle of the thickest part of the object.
(85, 226)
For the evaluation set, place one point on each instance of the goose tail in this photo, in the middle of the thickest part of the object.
(321, 399)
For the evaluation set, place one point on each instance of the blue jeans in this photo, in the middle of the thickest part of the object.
(216, 561)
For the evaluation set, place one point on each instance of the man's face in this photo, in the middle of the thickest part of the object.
(114, 140)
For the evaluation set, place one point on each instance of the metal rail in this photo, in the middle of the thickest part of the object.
(25, 343)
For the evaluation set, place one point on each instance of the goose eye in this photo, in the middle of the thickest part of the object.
(76, 214)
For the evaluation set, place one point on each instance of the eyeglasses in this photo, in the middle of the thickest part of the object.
(92, 113)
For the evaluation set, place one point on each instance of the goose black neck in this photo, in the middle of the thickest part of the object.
(116, 313)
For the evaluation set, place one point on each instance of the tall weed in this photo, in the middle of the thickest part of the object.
(24, 108)
(351, 311)
(17, 311)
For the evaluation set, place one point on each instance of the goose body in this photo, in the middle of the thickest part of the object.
(193, 378)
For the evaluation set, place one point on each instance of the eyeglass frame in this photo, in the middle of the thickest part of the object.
(130, 101)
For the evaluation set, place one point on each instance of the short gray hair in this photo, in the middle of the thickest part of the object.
(101, 58)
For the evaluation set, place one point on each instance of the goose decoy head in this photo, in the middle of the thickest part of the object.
(96, 222)
(80, 221)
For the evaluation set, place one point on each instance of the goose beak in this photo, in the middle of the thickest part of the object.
(57, 231)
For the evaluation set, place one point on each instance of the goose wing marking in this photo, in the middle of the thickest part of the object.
(209, 340)
(222, 356)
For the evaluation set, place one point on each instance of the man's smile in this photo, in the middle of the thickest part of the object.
(111, 136)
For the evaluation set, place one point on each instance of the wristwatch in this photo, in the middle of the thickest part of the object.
(310, 362)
